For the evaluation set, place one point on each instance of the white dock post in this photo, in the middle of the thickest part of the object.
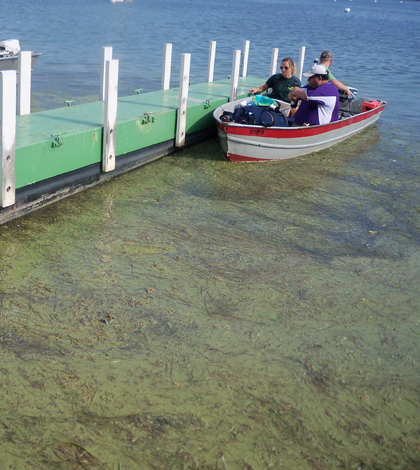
(210, 66)
(245, 59)
(167, 61)
(274, 57)
(7, 136)
(24, 83)
(106, 55)
(235, 75)
(301, 60)
(181, 122)
(110, 116)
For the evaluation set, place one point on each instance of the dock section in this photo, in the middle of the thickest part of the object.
(59, 152)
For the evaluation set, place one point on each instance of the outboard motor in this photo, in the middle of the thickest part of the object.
(350, 105)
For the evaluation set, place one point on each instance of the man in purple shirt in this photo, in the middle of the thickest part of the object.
(320, 103)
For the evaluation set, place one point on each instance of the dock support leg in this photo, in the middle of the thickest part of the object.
(274, 57)
(245, 55)
(181, 122)
(301, 60)
(210, 65)
(8, 136)
(235, 75)
(106, 55)
(167, 61)
(24, 83)
(110, 116)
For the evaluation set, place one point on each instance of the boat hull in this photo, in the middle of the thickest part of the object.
(247, 143)
(11, 63)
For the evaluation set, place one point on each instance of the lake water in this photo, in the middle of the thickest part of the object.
(198, 314)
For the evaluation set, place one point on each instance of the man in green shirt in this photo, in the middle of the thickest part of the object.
(326, 59)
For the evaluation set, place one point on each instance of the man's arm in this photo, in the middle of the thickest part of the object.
(341, 86)
(298, 94)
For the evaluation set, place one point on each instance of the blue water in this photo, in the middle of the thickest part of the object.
(196, 314)
(375, 45)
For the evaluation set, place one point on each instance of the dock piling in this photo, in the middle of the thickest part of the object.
(235, 75)
(8, 136)
(301, 60)
(181, 122)
(245, 55)
(274, 57)
(106, 56)
(24, 83)
(167, 61)
(110, 116)
(210, 66)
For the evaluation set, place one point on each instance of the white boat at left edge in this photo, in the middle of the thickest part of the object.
(9, 51)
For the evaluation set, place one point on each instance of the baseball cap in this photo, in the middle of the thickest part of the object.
(316, 70)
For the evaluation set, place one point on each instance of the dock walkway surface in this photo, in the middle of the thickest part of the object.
(59, 152)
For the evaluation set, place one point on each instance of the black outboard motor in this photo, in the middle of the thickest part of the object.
(350, 105)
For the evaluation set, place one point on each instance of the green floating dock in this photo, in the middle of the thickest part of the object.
(59, 152)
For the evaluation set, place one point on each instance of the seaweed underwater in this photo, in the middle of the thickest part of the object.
(200, 315)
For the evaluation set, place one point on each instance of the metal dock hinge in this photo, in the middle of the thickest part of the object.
(57, 142)
(148, 118)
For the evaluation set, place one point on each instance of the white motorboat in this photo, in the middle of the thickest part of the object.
(9, 51)
(253, 143)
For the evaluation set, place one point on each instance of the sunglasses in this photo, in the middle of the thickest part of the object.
(284, 68)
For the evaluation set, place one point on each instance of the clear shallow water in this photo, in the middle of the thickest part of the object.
(196, 310)
(196, 314)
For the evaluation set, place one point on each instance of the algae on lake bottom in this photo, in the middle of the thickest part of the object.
(196, 314)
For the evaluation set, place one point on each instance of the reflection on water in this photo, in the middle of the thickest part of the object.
(197, 314)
